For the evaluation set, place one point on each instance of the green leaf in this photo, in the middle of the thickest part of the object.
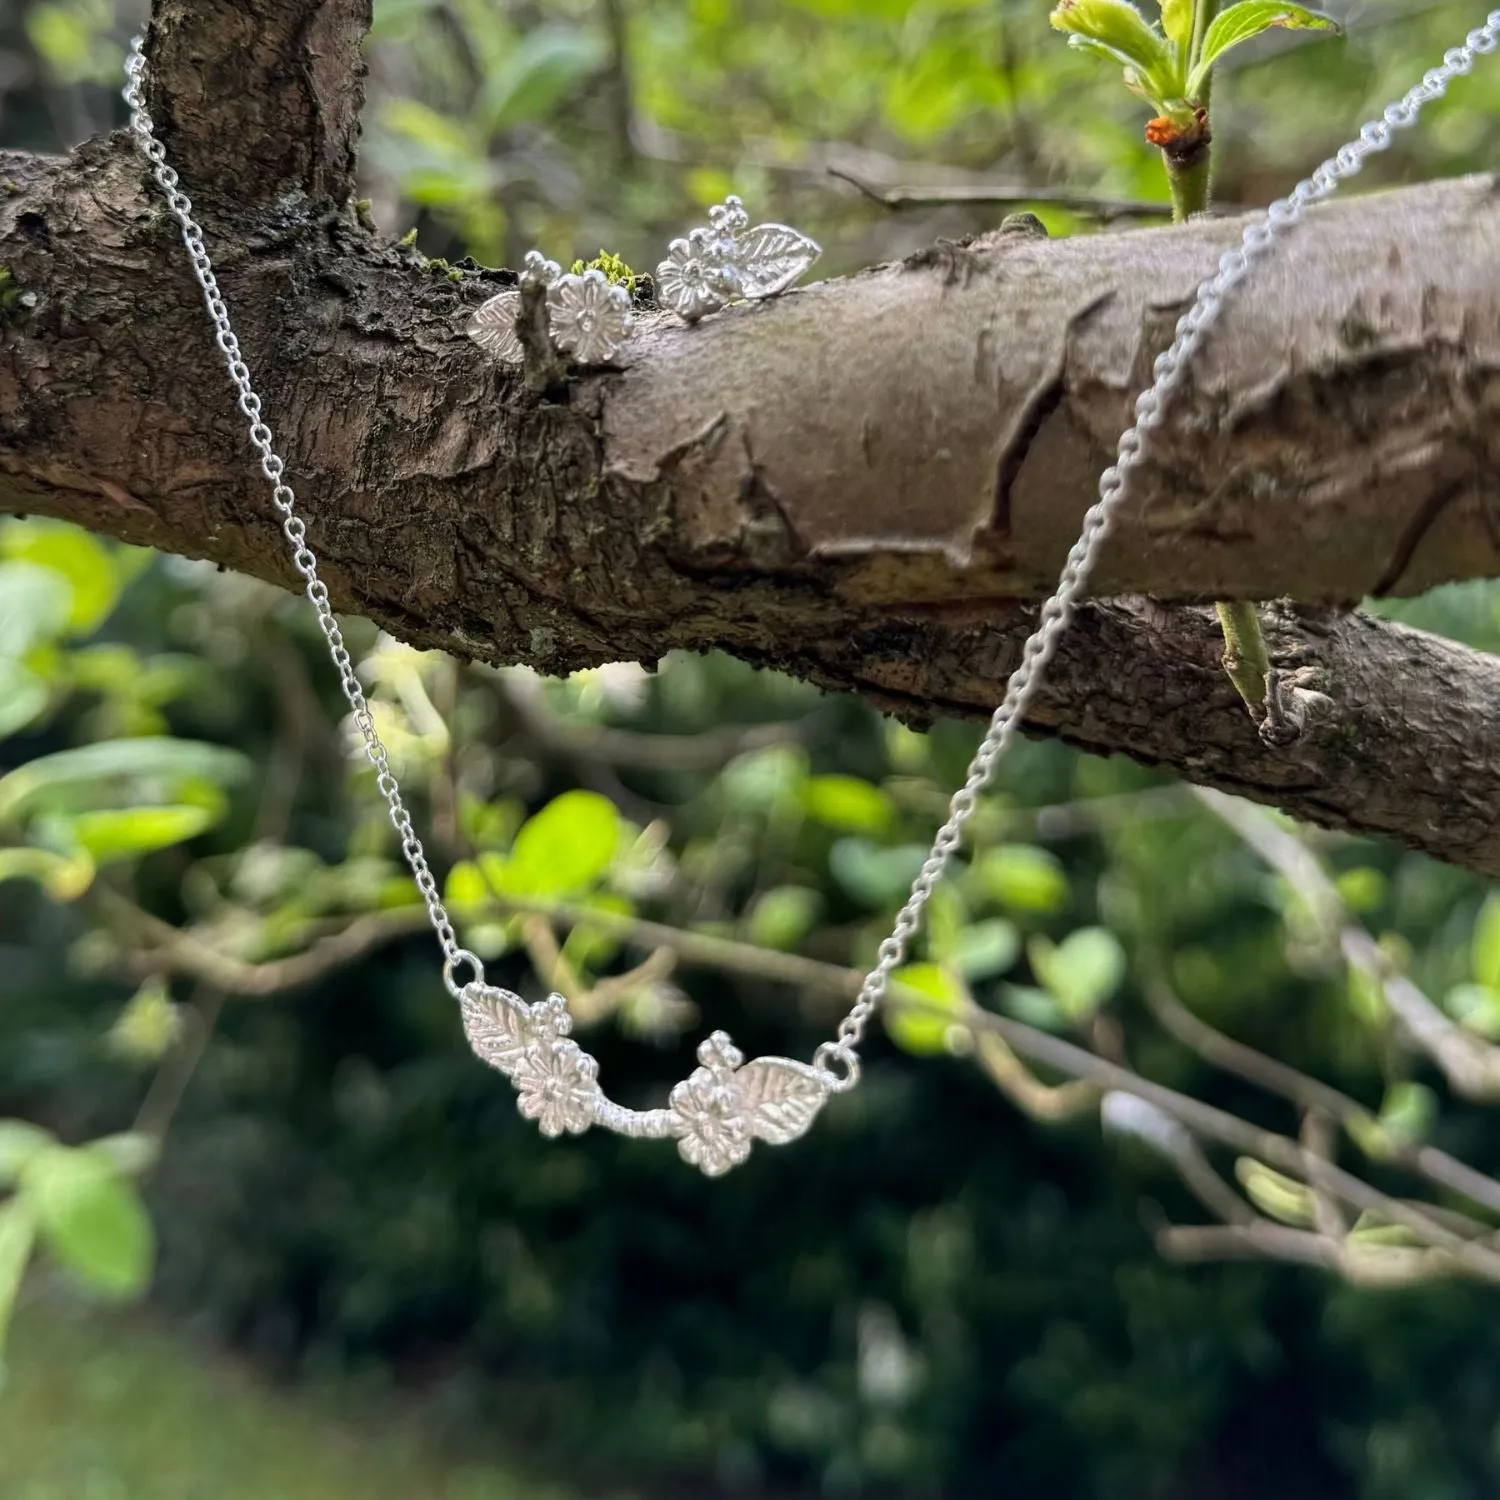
(17, 1234)
(565, 848)
(466, 885)
(1021, 878)
(34, 606)
(540, 73)
(1408, 1113)
(23, 696)
(1033, 1006)
(986, 948)
(19, 1142)
(1367, 998)
(1361, 889)
(1119, 27)
(1484, 946)
(1082, 971)
(874, 876)
(783, 916)
(90, 1218)
(130, 832)
(764, 781)
(1279, 1197)
(1248, 19)
(590, 948)
(129, 769)
(64, 877)
(924, 1031)
(81, 560)
(1476, 1007)
(130, 1152)
(848, 804)
(149, 1026)
(1177, 19)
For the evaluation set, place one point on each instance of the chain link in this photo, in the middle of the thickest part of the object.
(839, 1057)
(292, 526)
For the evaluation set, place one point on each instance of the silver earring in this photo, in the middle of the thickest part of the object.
(730, 262)
(588, 316)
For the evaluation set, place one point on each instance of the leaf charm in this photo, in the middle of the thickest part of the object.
(731, 262)
(781, 1097)
(493, 327)
(771, 257)
(497, 1024)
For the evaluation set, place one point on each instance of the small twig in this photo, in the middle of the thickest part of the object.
(168, 1087)
(543, 368)
(1049, 1103)
(1361, 1264)
(708, 751)
(1275, 1077)
(1470, 1065)
(1007, 195)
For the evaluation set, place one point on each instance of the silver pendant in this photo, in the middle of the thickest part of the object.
(730, 262)
(588, 316)
(715, 1114)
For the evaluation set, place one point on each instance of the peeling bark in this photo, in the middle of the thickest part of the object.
(862, 482)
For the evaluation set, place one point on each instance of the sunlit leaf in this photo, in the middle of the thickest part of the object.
(1022, 878)
(90, 1218)
(84, 562)
(23, 696)
(1484, 946)
(64, 877)
(783, 916)
(1279, 1197)
(465, 885)
(1118, 26)
(565, 848)
(1249, 19)
(34, 606)
(127, 768)
(130, 832)
(924, 1030)
(1177, 19)
(848, 804)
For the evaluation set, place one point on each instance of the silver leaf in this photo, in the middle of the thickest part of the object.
(781, 1097)
(493, 327)
(498, 1026)
(770, 257)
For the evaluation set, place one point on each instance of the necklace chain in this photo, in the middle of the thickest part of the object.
(838, 1057)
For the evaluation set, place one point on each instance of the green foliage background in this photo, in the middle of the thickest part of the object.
(931, 1295)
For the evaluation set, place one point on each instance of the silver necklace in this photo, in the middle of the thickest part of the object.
(718, 1112)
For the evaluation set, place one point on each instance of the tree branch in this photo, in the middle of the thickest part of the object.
(255, 99)
(859, 483)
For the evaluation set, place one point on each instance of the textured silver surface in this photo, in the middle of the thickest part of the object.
(715, 1114)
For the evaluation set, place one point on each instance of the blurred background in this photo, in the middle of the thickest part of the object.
(363, 1272)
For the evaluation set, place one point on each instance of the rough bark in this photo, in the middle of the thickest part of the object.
(862, 482)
